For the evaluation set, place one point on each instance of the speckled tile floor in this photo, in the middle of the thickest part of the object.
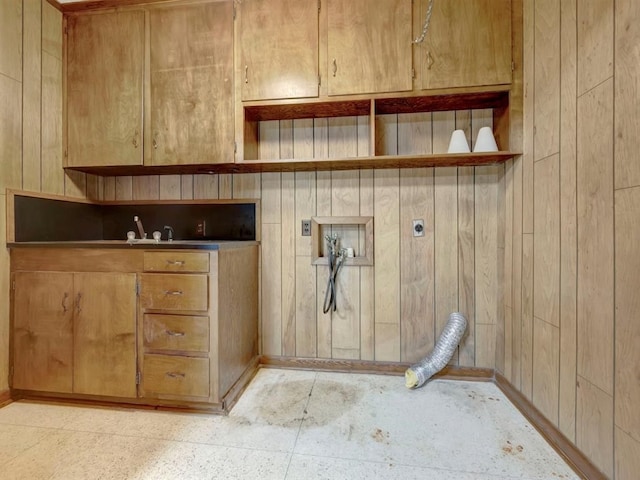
(288, 425)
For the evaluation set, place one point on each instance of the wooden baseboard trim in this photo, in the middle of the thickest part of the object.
(577, 460)
(232, 396)
(451, 372)
(5, 398)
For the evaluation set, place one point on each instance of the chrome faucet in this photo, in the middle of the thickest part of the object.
(136, 219)
(169, 233)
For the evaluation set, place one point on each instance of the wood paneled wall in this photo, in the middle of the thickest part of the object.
(573, 204)
(30, 123)
(394, 310)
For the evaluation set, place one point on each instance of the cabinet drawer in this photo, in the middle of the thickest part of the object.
(176, 262)
(174, 292)
(174, 375)
(176, 332)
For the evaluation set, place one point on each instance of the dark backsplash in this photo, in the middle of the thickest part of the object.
(41, 219)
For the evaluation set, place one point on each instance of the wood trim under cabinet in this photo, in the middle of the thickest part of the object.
(577, 460)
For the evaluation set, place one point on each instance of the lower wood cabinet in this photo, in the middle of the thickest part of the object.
(160, 328)
(69, 326)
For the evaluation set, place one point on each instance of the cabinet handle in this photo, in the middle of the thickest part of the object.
(175, 262)
(175, 374)
(135, 139)
(64, 302)
(173, 333)
(246, 74)
(173, 292)
(78, 300)
(335, 67)
(429, 60)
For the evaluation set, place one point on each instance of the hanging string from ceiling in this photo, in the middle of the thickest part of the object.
(427, 21)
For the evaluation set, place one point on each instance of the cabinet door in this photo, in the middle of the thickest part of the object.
(278, 48)
(43, 331)
(105, 334)
(105, 55)
(192, 84)
(369, 46)
(468, 44)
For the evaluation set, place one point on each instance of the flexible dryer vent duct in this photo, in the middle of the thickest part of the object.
(438, 358)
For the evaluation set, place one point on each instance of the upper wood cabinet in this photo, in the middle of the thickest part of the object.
(468, 44)
(192, 84)
(369, 46)
(104, 89)
(278, 49)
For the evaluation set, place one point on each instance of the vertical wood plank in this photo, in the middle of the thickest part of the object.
(595, 43)
(516, 343)
(547, 78)
(225, 186)
(345, 201)
(145, 187)
(10, 133)
(417, 263)
(485, 345)
(528, 121)
(52, 174)
(305, 278)
(527, 316)
(124, 188)
(246, 186)
(186, 187)
(546, 249)
(271, 207)
(4, 297)
(568, 220)
(11, 39)
(109, 188)
(367, 275)
(75, 184)
(546, 368)
(595, 236)
(416, 253)
(323, 209)
(52, 30)
(627, 304)
(627, 456)
(323, 198)
(205, 186)
(170, 187)
(387, 261)
(94, 184)
(271, 282)
(445, 226)
(594, 425)
(627, 72)
(288, 246)
(31, 94)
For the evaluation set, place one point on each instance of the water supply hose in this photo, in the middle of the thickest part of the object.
(336, 259)
(417, 374)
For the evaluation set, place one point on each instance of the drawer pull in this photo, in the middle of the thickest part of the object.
(173, 333)
(175, 374)
(175, 262)
(173, 292)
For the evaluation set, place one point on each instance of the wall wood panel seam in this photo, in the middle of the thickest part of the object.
(598, 85)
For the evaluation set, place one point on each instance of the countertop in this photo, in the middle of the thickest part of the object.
(148, 244)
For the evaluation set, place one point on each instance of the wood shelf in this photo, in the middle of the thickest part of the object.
(302, 165)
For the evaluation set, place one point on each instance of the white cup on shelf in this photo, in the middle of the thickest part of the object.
(458, 142)
(485, 142)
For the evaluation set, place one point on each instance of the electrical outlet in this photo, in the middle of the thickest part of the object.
(418, 228)
(306, 228)
(201, 228)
